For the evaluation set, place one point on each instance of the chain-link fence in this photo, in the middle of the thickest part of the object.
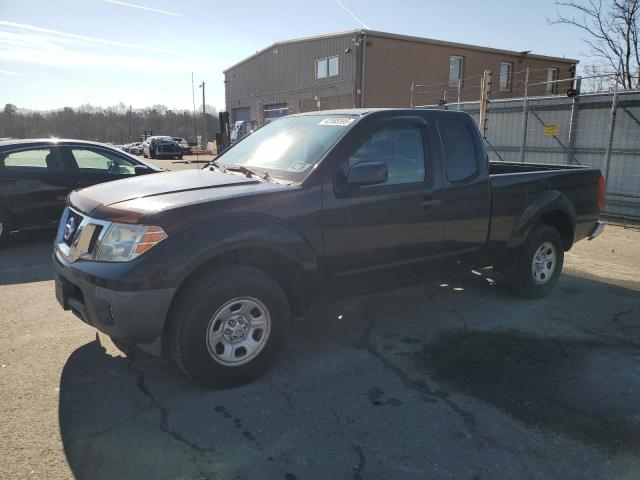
(599, 130)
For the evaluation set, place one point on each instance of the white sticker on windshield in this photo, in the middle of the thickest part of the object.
(341, 122)
(298, 167)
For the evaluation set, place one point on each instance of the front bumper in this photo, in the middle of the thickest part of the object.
(597, 230)
(137, 316)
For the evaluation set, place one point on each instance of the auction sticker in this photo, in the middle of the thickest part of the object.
(341, 122)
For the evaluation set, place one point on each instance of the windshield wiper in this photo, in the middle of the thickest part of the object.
(249, 172)
(219, 166)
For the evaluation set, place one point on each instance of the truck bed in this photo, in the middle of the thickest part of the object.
(519, 190)
(499, 168)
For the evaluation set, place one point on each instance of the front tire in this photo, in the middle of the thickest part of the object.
(539, 264)
(228, 326)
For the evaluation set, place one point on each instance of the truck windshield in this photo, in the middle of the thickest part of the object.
(287, 148)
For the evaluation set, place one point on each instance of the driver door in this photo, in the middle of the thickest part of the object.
(383, 234)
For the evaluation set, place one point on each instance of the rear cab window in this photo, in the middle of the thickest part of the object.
(462, 159)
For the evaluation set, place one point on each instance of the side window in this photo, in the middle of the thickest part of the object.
(321, 68)
(552, 76)
(455, 70)
(40, 159)
(401, 148)
(88, 159)
(458, 142)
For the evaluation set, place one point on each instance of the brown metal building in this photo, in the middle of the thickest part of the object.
(365, 68)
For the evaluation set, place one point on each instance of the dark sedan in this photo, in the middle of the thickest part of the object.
(161, 146)
(37, 175)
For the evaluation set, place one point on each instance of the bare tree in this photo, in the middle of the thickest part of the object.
(598, 78)
(612, 33)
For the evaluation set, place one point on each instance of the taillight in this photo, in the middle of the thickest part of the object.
(602, 187)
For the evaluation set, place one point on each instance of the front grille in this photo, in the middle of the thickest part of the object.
(71, 226)
(78, 235)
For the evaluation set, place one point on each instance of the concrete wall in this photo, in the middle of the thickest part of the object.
(392, 64)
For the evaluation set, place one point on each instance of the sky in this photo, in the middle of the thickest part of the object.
(57, 53)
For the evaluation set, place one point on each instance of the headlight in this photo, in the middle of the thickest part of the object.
(123, 242)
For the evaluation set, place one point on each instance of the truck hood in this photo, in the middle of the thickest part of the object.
(130, 199)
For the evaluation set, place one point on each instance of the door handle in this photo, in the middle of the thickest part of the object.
(430, 202)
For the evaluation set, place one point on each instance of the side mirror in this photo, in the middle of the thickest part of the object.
(142, 169)
(367, 173)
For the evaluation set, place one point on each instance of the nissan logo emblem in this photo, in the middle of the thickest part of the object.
(69, 229)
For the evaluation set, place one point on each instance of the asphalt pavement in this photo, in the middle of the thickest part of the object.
(451, 378)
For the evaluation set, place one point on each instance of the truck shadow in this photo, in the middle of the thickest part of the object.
(381, 381)
(27, 257)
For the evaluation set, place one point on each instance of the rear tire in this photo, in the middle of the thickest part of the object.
(226, 329)
(539, 263)
(5, 227)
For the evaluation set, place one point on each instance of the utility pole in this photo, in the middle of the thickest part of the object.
(130, 116)
(525, 115)
(612, 126)
(204, 115)
(485, 93)
(195, 119)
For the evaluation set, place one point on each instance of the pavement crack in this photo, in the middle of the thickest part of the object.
(615, 318)
(418, 386)
(612, 338)
(362, 461)
(141, 383)
(286, 396)
(431, 296)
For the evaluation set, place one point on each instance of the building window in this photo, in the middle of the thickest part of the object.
(455, 70)
(333, 66)
(552, 85)
(505, 76)
(321, 68)
(327, 67)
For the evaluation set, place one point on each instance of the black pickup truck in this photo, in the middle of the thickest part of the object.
(210, 266)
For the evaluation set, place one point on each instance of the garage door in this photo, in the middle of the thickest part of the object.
(240, 114)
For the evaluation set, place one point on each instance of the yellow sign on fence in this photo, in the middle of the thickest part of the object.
(550, 130)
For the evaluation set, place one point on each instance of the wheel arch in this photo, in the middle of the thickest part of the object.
(290, 275)
(550, 207)
(263, 242)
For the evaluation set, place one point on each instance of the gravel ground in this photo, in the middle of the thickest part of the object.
(451, 378)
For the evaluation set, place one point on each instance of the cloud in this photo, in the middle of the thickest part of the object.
(141, 7)
(84, 38)
(10, 73)
(31, 44)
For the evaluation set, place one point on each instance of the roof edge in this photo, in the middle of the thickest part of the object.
(294, 40)
(432, 41)
(409, 38)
